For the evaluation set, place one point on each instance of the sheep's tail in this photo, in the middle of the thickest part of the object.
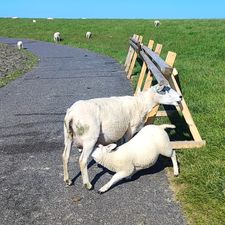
(164, 126)
(68, 124)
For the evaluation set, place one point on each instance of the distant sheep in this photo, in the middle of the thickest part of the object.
(141, 152)
(19, 44)
(57, 37)
(34, 21)
(88, 35)
(157, 23)
(107, 120)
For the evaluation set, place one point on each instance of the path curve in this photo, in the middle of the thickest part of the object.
(32, 109)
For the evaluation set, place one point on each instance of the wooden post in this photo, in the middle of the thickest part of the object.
(143, 70)
(129, 55)
(135, 55)
(149, 77)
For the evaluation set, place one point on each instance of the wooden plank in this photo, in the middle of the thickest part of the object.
(143, 70)
(130, 56)
(161, 64)
(134, 59)
(187, 144)
(163, 113)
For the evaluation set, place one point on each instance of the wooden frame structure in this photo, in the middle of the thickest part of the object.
(155, 67)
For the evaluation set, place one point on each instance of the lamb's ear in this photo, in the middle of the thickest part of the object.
(111, 147)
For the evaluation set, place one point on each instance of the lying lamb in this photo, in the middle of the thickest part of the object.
(88, 35)
(141, 152)
(19, 44)
(107, 120)
(57, 37)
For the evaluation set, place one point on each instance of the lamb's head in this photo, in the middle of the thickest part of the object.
(101, 151)
(164, 94)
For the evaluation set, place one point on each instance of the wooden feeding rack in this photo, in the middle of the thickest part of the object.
(155, 67)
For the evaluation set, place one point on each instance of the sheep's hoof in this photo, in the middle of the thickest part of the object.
(69, 182)
(88, 186)
(176, 174)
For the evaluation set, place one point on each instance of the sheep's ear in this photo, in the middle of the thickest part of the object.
(111, 147)
(160, 86)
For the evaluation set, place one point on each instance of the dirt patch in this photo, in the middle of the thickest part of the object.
(11, 59)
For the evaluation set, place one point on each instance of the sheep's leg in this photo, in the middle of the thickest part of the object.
(65, 157)
(87, 149)
(116, 177)
(175, 165)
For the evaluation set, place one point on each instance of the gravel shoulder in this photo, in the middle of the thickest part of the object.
(14, 62)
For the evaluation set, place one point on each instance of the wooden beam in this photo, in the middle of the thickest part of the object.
(163, 66)
(154, 70)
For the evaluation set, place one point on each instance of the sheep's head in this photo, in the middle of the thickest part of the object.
(101, 151)
(164, 94)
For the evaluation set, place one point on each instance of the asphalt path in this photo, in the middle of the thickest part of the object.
(32, 109)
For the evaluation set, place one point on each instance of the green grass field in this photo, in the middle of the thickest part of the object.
(200, 48)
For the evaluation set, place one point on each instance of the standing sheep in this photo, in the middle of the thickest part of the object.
(57, 37)
(141, 152)
(157, 23)
(88, 35)
(107, 120)
(19, 44)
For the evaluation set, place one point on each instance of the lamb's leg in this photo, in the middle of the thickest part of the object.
(116, 177)
(175, 165)
(65, 157)
(87, 149)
